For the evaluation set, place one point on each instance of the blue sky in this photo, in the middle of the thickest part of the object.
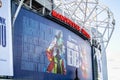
(113, 49)
(114, 6)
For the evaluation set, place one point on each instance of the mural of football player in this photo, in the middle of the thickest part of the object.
(84, 64)
(54, 54)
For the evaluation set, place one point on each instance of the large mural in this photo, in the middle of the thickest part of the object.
(46, 48)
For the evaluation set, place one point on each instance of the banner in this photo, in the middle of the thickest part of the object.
(6, 63)
(45, 50)
(99, 63)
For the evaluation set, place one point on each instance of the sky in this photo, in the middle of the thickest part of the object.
(113, 49)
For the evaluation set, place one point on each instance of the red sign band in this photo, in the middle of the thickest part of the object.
(70, 22)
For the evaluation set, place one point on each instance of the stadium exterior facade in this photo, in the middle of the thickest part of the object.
(52, 40)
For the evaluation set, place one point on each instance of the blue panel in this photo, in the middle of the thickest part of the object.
(41, 44)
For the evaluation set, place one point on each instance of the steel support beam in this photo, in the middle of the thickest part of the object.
(17, 11)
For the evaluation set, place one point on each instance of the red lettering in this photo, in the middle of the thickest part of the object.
(54, 13)
(69, 22)
(85, 33)
(62, 18)
(65, 19)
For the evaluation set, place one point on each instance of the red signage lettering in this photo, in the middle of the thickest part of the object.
(70, 22)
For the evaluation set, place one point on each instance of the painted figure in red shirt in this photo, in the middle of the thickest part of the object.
(54, 54)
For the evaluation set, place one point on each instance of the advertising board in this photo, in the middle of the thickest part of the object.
(6, 63)
(49, 50)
